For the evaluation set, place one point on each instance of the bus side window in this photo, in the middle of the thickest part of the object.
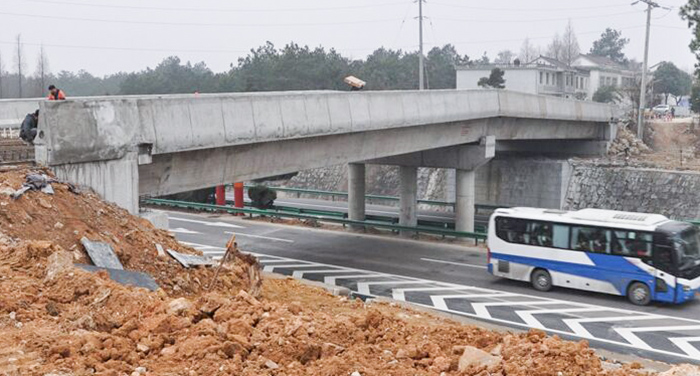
(590, 239)
(561, 236)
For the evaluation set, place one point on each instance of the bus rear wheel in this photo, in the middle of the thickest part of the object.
(639, 294)
(541, 280)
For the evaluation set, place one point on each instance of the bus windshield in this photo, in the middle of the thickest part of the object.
(688, 245)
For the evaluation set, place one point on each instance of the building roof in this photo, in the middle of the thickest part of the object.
(603, 62)
(554, 62)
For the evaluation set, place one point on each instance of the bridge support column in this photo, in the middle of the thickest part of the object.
(464, 203)
(356, 192)
(409, 198)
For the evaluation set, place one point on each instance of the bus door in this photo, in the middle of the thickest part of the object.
(663, 261)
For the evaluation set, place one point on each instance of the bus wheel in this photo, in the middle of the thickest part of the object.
(541, 280)
(639, 294)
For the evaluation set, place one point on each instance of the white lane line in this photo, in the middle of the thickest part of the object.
(276, 260)
(439, 301)
(330, 280)
(181, 230)
(455, 263)
(577, 327)
(259, 237)
(201, 246)
(529, 316)
(205, 223)
(683, 343)
(628, 333)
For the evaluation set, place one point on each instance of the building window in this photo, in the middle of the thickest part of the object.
(576, 86)
(547, 78)
(614, 81)
(541, 78)
(608, 81)
(602, 81)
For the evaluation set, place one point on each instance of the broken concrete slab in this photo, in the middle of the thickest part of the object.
(101, 254)
(125, 277)
(191, 260)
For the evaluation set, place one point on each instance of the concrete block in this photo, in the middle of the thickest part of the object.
(159, 220)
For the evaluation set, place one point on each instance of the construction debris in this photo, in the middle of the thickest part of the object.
(124, 277)
(191, 260)
(627, 144)
(101, 254)
(59, 319)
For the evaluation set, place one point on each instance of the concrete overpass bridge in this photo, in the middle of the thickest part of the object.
(126, 147)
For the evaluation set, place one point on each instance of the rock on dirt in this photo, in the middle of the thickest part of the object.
(475, 358)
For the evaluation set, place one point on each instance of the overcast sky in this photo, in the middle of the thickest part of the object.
(107, 36)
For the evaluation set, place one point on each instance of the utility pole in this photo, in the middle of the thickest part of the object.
(420, 45)
(642, 94)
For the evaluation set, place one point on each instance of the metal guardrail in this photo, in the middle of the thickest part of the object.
(324, 218)
(374, 197)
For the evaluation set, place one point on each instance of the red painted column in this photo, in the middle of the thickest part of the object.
(238, 195)
(220, 195)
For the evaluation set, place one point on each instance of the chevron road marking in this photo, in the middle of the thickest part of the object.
(202, 246)
(205, 223)
(628, 334)
(684, 344)
(529, 316)
(331, 280)
(363, 287)
(400, 294)
(579, 330)
(300, 273)
(439, 300)
(481, 310)
(271, 268)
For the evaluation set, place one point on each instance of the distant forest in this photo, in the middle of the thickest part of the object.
(266, 68)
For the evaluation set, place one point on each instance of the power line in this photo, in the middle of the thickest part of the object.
(101, 20)
(529, 20)
(527, 9)
(217, 10)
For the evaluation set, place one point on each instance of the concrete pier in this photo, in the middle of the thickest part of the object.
(408, 198)
(356, 192)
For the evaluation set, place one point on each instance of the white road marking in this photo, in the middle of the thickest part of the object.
(330, 280)
(363, 287)
(271, 268)
(439, 300)
(300, 273)
(481, 310)
(201, 246)
(683, 343)
(181, 230)
(205, 223)
(400, 294)
(529, 316)
(628, 333)
(259, 237)
(579, 330)
(455, 263)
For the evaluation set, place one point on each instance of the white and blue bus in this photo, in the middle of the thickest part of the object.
(642, 256)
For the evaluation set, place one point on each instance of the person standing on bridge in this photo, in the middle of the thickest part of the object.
(56, 94)
(27, 131)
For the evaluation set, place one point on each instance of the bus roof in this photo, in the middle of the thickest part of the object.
(597, 217)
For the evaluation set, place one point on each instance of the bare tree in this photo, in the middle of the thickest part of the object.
(19, 60)
(42, 70)
(528, 51)
(555, 49)
(504, 57)
(570, 47)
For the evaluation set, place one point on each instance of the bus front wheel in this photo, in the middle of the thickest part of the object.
(541, 280)
(639, 294)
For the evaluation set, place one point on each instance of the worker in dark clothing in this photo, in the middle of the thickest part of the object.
(28, 130)
(56, 94)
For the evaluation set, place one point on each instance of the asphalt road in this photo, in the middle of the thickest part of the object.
(451, 278)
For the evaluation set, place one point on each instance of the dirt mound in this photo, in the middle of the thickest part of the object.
(65, 217)
(61, 320)
(627, 143)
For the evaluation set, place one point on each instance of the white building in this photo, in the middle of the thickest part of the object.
(604, 72)
(540, 76)
(551, 77)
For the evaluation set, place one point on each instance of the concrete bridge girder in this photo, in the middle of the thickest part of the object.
(170, 144)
